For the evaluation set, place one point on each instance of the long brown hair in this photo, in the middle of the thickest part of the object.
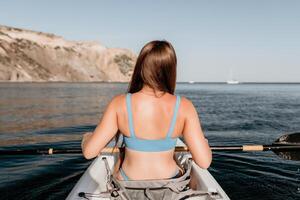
(155, 67)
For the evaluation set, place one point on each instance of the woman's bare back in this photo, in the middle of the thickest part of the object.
(151, 120)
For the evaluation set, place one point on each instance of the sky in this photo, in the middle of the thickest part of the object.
(251, 41)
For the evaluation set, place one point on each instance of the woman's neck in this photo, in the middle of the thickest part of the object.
(152, 92)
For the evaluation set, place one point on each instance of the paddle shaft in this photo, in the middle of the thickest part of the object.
(50, 151)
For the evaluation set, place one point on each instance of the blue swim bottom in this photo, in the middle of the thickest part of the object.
(126, 178)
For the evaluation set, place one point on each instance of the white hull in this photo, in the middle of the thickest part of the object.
(232, 82)
(94, 179)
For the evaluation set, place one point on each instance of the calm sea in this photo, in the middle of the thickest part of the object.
(57, 114)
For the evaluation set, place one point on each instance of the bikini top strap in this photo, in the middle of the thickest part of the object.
(175, 111)
(129, 112)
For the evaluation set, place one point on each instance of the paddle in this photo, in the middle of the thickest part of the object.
(287, 147)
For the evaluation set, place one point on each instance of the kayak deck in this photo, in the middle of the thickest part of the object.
(93, 180)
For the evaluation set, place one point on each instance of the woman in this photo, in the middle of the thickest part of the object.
(150, 118)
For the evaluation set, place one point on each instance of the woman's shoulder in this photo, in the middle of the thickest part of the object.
(186, 106)
(118, 99)
(185, 102)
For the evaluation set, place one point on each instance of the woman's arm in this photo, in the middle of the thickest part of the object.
(93, 143)
(194, 137)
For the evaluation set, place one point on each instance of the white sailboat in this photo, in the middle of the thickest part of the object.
(232, 80)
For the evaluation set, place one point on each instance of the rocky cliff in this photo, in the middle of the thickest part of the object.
(35, 56)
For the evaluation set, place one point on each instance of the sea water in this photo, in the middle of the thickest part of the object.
(36, 115)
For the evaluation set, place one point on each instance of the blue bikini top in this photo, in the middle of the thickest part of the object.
(146, 145)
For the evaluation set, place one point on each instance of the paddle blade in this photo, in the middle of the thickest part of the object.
(289, 155)
(289, 139)
(292, 139)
